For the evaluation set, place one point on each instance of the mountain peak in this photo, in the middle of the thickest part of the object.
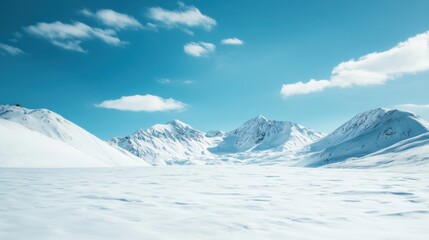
(215, 133)
(366, 133)
(260, 118)
(161, 143)
(375, 111)
(259, 133)
(368, 118)
(256, 120)
(177, 123)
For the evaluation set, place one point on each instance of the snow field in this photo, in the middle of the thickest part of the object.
(213, 202)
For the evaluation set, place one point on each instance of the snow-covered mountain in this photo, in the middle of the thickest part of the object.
(167, 143)
(409, 152)
(178, 143)
(22, 147)
(366, 133)
(259, 134)
(380, 137)
(56, 128)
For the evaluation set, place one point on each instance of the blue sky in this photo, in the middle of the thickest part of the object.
(168, 60)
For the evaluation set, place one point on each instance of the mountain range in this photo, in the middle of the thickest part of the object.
(376, 138)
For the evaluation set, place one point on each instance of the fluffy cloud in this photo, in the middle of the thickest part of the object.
(408, 57)
(232, 41)
(198, 49)
(70, 36)
(144, 103)
(113, 19)
(185, 16)
(14, 51)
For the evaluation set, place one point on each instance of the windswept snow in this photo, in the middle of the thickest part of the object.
(213, 202)
(55, 127)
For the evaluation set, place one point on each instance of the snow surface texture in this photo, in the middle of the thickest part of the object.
(60, 137)
(178, 143)
(213, 202)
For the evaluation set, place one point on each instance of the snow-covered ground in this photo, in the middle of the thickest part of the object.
(214, 202)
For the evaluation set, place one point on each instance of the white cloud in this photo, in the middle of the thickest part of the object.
(165, 81)
(188, 82)
(185, 16)
(70, 36)
(144, 103)
(72, 45)
(232, 41)
(14, 51)
(408, 57)
(113, 19)
(198, 49)
(15, 37)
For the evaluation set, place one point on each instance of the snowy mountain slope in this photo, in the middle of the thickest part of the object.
(366, 133)
(259, 134)
(375, 138)
(413, 151)
(164, 143)
(178, 143)
(22, 147)
(56, 127)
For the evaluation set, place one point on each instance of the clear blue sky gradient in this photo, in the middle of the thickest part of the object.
(285, 42)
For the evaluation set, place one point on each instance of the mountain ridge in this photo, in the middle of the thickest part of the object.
(180, 142)
(366, 133)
